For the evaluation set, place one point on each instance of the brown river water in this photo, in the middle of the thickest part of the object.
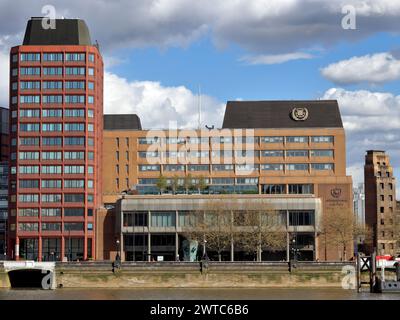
(193, 294)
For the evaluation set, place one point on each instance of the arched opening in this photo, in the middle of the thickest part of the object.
(26, 278)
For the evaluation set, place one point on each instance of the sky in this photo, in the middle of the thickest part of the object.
(161, 54)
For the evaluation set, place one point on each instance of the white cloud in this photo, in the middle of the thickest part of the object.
(157, 105)
(375, 68)
(260, 26)
(372, 121)
(275, 58)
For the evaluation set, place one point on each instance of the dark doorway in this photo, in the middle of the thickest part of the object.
(29, 278)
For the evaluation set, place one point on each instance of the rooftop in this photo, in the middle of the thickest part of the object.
(66, 32)
(279, 114)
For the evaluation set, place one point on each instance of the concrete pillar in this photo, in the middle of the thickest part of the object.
(148, 246)
(40, 248)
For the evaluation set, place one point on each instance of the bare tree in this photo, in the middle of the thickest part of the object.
(161, 183)
(337, 227)
(259, 227)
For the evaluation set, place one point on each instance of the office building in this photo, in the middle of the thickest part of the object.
(56, 119)
(287, 150)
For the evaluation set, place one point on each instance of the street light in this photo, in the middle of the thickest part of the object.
(118, 256)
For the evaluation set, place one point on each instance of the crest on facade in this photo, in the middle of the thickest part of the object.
(299, 114)
(336, 192)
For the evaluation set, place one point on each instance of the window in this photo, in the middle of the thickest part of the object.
(28, 184)
(51, 226)
(91, 71)
(29, 113)
(162, 219)
(91, 185)
(272, 153)
(223, 181)
(51, 141)
(14, 58)
(153, 140)
(91, 57)
(90, 99)
(75, 85)
(74, 99)
(300, 188)
(51, 212)
(198, 167)
(90, 113)
(244, 140)
(149, 168)
(29, 127)
(74, 212)
(91, 85)
(297, 139)
(71, 184)
(382, 209)
(321, 153)
(135, 219)
(51, 197)
(53, 71)
(246, 167)
(28, 198)
(51, 184)
(51, 155)
(74, 169)
(29, 99)
(74, 141)
(90, 142)
(74, 197)
(90, 155)
(14, 86)
(271, 139)
(222, 167)
(52, 127)
(75, 57)
(28, 85)
(52, 113)
(301, 218)
(52, 85)
(247, 181)
(74, 113)
(28, 212)
(28, 169)
(52, 99)
(74, 126)
(28, 155)
(75, 71)
(52, 57)
(322, 166)
(27, 226)
(297, 153)
(148, 181)
(51, 169)
(73, 226)
(29, 71)
(74, 155)
(174, 167)
(273, 188)
(297, 166)
(90, 170)
(30, 57)
(91, 128)
(322, 139)
(272, 166)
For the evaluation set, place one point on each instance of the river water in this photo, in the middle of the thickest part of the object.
(193, 294)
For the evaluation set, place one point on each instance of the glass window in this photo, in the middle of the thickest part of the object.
(272, 139)
(300, 188)
(91, 57)
(74, 197)
(322, 139)
(272, 153)
(74, 85)
(53, 71)
(51, 184)
(222, 167)
(51, 212)
(52, 57)
(91, 71)
(272, 166)
(321, 153)
(51, 141)
(198, 167)
(73, 226)
(52, 113)
(74, 169)
(90, 99)
(28, 169)
(29, 99)
(51, 197)
(28, 226)
(51, 226)
(29, 127)
(28, 155)
(75, 71)
(273, 189)
(52, 99)
(29, 71)
(163, 219)
(174, 167)
(91, 85)
(297, 139)
(145, 167)
(74, 184)
(30, 56)
(297, 166)
(74, 99)
(51, 169)
(51, 155)
(74, 126)
(28, 184)
(74, 141)
(52, 85)
(29, 113)
(301, 218)
(28, 212)
(75, 57)
(52, 127)
(28, 85)
(74, 212)
(322, 166)
(297, 153)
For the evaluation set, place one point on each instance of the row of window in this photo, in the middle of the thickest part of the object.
(52, 85)
(53, 127)
(55, 183)
(53, 155)
(194, 181)
(168, 218)
(47, 56)
(52, 141)
(237, 153)
(54, 197)
(54, 212)
(52, 113)
(238, 167)
(52, 71)
(54, 226)
(68, 169)
(243, 140)
(52, 99)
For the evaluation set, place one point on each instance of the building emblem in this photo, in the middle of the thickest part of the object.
(299, 114)
(336, 192)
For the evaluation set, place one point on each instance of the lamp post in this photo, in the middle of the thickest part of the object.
(118, 256)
